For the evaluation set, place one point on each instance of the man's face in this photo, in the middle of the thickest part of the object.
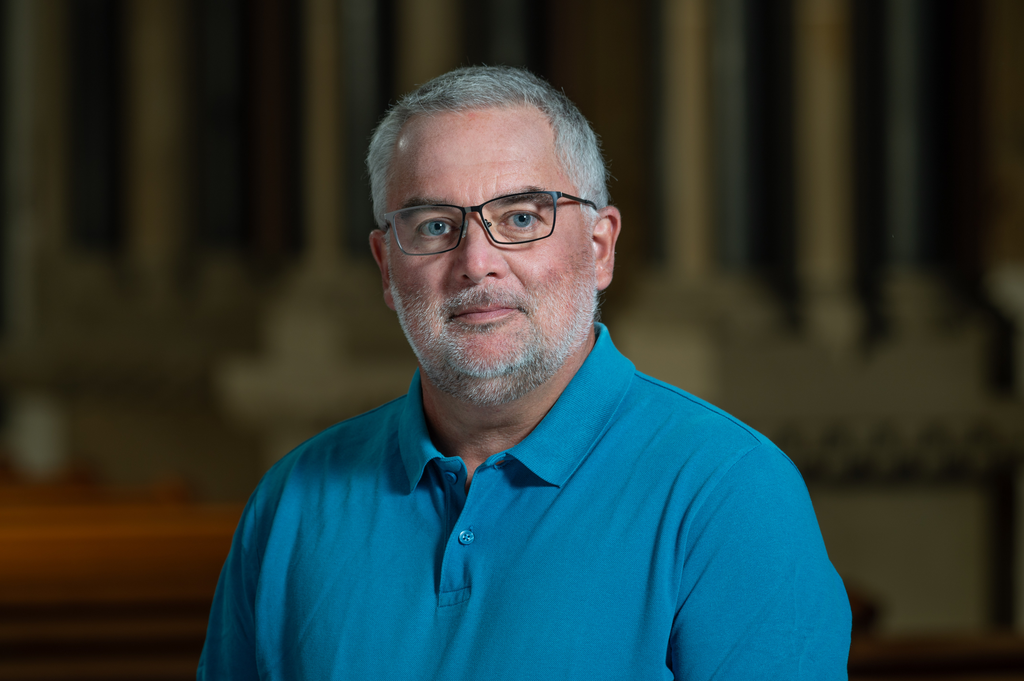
(491, 322)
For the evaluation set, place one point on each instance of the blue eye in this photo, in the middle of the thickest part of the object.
(523, 220)
(435, 228)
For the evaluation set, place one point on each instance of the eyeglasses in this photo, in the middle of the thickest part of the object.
(513, 219)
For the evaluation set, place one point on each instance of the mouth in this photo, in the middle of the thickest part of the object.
(484, 314)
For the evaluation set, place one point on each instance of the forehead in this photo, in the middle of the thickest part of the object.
(469, 157)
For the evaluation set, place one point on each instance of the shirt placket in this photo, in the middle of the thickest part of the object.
(464, 540)
(454, 587)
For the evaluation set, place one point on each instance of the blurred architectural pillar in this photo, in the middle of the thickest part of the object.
(274, 91)
(686, 131)
(51, 171)
(911, 293)
(732, 106)
(157, 144)
(223, 162)
(1003, 226)
(825, 243)
(667, 331)
(1004, 120)
(323, 182)
(219, 110)
(508, 35)
(746, 301)
(427, 37)
(17, 192)
(365, 74)
(905, 138)
(305, 379)
(35, 421)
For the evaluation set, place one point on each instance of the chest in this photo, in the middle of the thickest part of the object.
(575, 578)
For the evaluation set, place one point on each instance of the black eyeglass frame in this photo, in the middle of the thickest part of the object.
(466, 210)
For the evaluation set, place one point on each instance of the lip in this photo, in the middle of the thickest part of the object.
(484, 315)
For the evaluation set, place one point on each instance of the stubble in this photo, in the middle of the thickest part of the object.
(449, 351)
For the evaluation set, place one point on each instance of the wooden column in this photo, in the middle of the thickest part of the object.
(19, 45)
(825, 244)
(687, 135)
(734, 193)
(157, 160)
(52, 147)
(365, 68)
(665, 328)
(32, 200)
(323, 182)
(1004, 126)
(1003, 227)
(272, 145)
(905, 135)
(306, 376)
(912, 294)
(427, 37)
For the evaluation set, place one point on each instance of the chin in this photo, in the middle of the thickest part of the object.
(497, 359)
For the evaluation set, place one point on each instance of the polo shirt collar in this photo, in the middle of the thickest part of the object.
(562, 439)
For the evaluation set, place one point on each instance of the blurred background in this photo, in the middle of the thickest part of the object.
(823, 208)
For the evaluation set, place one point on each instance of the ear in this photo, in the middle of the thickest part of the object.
(606, 233)
(379, 248)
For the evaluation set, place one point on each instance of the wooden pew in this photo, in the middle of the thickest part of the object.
(106, 584)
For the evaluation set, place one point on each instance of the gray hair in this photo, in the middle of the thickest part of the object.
(484, 87)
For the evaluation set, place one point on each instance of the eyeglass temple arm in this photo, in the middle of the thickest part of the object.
(563, 195)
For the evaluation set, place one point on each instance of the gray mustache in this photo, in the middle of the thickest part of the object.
(475, 297)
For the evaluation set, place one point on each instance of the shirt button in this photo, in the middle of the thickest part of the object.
(466, 537)
(452, 478)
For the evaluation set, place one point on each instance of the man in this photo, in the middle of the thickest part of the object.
(533, 508)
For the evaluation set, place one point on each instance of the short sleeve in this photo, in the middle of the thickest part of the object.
(759, 598)
(229, 651)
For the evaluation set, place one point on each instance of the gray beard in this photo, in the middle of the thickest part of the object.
(445, 357)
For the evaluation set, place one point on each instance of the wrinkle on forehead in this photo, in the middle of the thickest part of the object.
(477, 154)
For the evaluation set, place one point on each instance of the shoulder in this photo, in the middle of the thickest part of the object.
(360, 443)
(732, 475)
(683, 423)
(347, 441)
(694, 449)
(669, 401)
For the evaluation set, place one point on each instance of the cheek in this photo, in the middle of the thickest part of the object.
(422, 292)
(559, 276)
(577, 261)
(409, 276)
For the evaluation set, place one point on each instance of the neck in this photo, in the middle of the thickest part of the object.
(474, 433)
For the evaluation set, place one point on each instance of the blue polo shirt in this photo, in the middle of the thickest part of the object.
(637, 533)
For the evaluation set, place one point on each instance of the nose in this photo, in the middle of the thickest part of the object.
(477, 257)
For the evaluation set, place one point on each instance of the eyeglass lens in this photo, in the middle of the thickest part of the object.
(509, 219)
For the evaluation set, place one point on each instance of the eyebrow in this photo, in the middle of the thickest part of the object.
(415, 201)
